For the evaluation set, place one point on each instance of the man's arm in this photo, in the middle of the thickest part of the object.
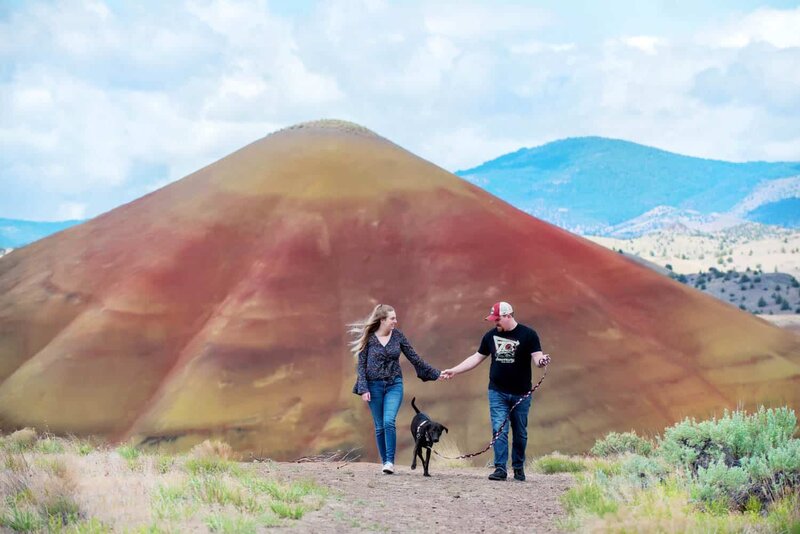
(471, 362)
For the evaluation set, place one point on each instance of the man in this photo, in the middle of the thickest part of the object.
(512, 346)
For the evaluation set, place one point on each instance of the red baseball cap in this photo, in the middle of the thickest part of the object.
(499, 308)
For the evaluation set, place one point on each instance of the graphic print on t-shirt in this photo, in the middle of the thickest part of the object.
(504, 349)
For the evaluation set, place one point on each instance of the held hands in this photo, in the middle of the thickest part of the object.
(542, 360)
(447, 374)
(365, 396)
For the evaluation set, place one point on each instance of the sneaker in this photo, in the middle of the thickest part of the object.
(519, 474)
(388, 468)
(499, 474)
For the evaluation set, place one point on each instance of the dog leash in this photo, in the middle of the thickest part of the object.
(500, 430)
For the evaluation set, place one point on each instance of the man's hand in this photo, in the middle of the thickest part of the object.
(543, 360)
(366, 396)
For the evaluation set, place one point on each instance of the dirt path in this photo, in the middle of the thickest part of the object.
(452, 500)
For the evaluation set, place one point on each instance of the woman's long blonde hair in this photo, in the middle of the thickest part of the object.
(365, 328)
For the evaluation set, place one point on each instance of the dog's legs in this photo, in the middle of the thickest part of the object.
(419, 452)
(427, 461)
(421, 458)
(416, 452)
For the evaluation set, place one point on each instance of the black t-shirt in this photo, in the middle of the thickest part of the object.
(511, 358)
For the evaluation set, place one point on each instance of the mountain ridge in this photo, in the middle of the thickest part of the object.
(574, 182)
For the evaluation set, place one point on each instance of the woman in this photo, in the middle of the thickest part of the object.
(379, 379)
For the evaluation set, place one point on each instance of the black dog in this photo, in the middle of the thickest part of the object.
(426, 432)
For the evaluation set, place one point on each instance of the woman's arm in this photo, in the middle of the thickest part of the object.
(424, 371)
(361, 373)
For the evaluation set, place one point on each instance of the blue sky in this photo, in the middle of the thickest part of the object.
(102, 102)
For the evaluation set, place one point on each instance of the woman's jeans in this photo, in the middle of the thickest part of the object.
(385, 400)
(499, 405)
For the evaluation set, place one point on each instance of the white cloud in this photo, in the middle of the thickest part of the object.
(91, 93)
(538, 47)
(777, 27)
(99, 102)
(645, 43)
(71, 211)
(447, 148)
(465, 20)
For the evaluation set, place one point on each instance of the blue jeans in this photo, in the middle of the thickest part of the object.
(499, 405)
(385, 400)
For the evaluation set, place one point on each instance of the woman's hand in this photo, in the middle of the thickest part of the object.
(365, 396)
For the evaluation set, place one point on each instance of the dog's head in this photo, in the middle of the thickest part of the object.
(434, 431)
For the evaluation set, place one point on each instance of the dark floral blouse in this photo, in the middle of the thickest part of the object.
(377, 362)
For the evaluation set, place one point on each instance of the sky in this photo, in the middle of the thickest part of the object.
(102, 102)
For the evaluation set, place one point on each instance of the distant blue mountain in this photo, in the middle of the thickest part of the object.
(15, 233)
(587, 183)
(784, 212)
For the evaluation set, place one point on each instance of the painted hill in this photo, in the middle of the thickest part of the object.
(579, 183)
(216, 307)
(16, 233)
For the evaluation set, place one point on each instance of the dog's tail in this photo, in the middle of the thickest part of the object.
(414, 405)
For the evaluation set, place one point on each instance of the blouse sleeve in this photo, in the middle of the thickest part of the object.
(424, 371)
(361, 373)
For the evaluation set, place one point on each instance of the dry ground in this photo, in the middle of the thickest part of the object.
(751, 246)
(451, 500)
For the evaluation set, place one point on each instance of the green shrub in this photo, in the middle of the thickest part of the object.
(227, 524)
(49, 445)
(785, 458)
(735, 436)
(89, 526)
(286, 510)
(737, 458)
(719, 483)
(164, 464)
(644, 471)
(131, 455)
(588, 497)
(556, 463)
(207, 465)
(615, 443)
(21, 519)
(211, 490)
(21, 440)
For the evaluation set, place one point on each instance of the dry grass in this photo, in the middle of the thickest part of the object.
(37, 491)
(77, 485)
(212, 449)
(22, 439)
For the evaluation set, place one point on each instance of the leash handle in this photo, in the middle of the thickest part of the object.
(496, 435)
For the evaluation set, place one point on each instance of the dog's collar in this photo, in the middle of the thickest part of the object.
(420, 428)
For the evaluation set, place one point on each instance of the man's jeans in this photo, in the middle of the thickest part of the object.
(499, 405)
(385, 400)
